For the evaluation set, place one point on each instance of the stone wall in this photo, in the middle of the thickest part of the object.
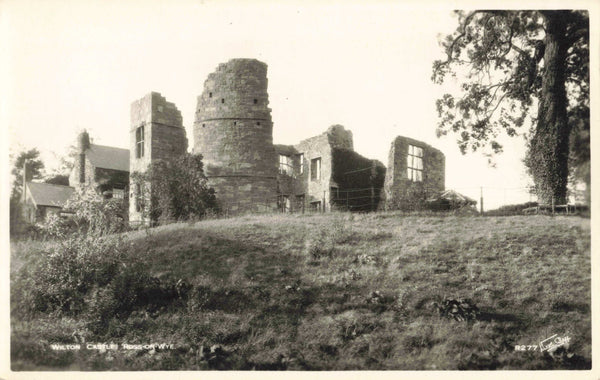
(360, 181)
(164, 137)
(234, 133)
(318, 190)
(290, 185)
(334, 149)
(400, 193)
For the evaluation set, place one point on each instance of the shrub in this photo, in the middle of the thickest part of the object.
(508, 210)
(60, 279)
(322, 244)
(178, 190)
(130, 289)
(56, 227)
(96, 215)
(319, 246)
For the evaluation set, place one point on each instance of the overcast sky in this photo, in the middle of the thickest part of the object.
(75, 65)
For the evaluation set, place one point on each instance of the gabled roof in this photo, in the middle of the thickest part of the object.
(108, 157)
(454, 196)
(46, 194)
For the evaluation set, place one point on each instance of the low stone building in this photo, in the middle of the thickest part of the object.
(102, 168)
(40, 200)
(415, 173)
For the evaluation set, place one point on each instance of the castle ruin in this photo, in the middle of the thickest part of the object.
(233, 131)
(415, 173)
(156, 133)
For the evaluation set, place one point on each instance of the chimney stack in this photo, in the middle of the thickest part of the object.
(83, 141)
(83, 144)
(27, 176)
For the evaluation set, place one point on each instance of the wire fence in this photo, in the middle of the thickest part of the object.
(369, 199)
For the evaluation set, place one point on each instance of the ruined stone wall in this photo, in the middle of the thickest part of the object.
(360, 181)
(233, 131)
(164, 137)
(400, 193)
(316, 190)
(301, 188)
(292, 185)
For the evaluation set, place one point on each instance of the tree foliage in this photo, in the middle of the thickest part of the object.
(36, 167)
(510, 64)
(94, 215)
(175, 190)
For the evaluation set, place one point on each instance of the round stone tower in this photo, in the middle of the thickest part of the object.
(234, 133)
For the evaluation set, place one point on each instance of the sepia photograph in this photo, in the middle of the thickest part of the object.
(321, 186)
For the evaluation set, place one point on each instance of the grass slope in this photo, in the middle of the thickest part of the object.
(298, 292)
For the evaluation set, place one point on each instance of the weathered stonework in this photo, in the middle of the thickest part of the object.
(163, 139)
(317, 190)
(234, 133)
(402, 193)
(338, 184)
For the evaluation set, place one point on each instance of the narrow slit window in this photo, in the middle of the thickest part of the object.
(139, 142)
(301, 160)
(315, 169)
(222, 100)
(255, 101)
(210, 94)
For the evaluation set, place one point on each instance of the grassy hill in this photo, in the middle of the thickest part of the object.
(315, 292)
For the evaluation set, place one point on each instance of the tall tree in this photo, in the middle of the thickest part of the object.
(511, 62)
(36, 166)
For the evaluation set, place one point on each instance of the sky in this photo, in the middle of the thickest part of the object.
(79, 65)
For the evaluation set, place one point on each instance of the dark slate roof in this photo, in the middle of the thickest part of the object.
(46, 194)
(108, 157)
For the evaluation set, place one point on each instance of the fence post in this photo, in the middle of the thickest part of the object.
(553, 205)
(481, 200)
(372, 199)
(347, 201)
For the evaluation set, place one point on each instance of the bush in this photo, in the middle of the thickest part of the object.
(96, 215)
(131, 289)
(178, 190)
(56, 227)
(59, 281)
(508, 210)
